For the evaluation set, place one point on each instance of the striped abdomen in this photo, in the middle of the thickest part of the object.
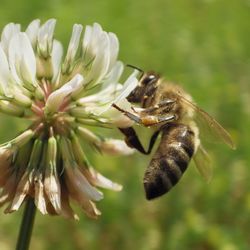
(170, 160)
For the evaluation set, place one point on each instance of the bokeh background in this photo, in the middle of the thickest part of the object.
(203, 45)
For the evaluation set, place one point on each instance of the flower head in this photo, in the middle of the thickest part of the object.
(62, 96)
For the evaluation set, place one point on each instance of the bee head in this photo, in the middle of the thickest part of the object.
(146, 87)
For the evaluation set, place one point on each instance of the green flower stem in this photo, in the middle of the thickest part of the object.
(26, 226)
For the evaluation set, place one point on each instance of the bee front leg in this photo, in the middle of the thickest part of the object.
(146, 120)
(166, 105)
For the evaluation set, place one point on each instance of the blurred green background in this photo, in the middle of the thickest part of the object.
(205, 46)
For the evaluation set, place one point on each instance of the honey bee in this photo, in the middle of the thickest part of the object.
(168, 109)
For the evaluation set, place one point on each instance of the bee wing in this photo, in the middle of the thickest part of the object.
(203, 163)
(212, 127)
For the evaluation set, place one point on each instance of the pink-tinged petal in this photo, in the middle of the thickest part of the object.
(22, 191)
(39, 194)
(50, 209)
(77, 183)
(88, 207)
(5, 173)
(91, 210)
(67, 211)
(6, 156)
(8, 190)
(53, 190)
(99, 180)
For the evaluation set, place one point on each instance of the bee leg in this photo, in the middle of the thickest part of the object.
(157, 120)
(165, 104)
(152, 141)
(133, 141)
(131, 116)
(167, 118)
(147, 120)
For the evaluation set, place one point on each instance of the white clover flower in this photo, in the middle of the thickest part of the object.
(62, 97)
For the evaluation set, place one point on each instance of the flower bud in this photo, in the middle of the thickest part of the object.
(10, 108)
(87, 135)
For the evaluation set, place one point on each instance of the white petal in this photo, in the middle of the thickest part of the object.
(100, 64)
(8, 32)
(4, 73)
(87, 36)
(101, 181)
(115, 147)
(22, 59)
(32, 31)
(96, 53)
(56, 58)
(128, 86)
(103, 96)
(93, 40)
(28, 58)
(114, 74)
(73, 44)
(56, 98)
(45, 37)
(114, 49)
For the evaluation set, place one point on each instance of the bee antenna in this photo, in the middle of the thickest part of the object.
(134, 67)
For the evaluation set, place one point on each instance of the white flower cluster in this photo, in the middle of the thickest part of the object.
(62, 96)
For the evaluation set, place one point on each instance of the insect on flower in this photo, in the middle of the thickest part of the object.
(168, 109)
(62, 97)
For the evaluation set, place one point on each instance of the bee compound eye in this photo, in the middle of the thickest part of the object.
(149, 79)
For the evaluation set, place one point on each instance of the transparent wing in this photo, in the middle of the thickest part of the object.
(207, 123)
(203, 163)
